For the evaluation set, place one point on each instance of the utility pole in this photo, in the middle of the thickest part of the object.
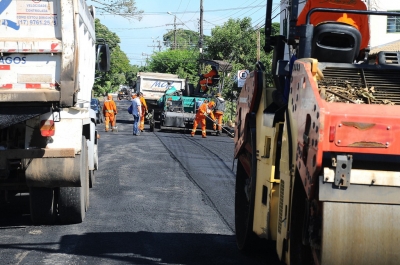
(156, 46)
(201, 29)
(159, 45)
(201, 33)
(175, 24)
(258, 44)
(147, 57)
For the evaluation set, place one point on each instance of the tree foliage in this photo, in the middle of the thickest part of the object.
(180, 62)
(124, 8)
(120, 66)
(185, 39)
(236, 42)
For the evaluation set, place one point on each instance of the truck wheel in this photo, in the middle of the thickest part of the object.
(73, 201)
(152, 122)
(244, 201)
(42, 205)
(96, 157)
(92, 178)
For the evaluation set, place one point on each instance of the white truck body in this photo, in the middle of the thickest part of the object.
(47, 67)
(153, 85)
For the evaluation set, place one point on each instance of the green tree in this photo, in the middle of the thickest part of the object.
(236, 42)
(181, 62)
(110, 81)
(131, 74)
(124, 8)
(185, 39)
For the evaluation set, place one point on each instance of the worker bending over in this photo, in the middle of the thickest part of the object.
(206, 109)
(144, 111)
(358, 21)
(110, 112)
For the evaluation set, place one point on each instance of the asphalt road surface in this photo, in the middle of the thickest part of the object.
(159, 198)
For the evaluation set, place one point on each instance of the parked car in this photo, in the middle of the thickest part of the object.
(98, 108)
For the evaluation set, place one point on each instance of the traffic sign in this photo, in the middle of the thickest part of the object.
(241, 77)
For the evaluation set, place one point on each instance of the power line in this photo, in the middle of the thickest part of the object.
(189, 12)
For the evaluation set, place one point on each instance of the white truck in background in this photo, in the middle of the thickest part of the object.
(48, 138)
(153, 87)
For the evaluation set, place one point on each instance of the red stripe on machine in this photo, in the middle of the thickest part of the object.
(6, 86)
(33, 85)
(5, 67)
(53, 47)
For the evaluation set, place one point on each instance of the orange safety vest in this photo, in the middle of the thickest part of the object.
(202, 111)
(144, 105)
(109, 108)
(209, 75)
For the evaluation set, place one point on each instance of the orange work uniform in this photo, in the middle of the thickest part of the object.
(207, 79)
(109, 112)
(358, 21)
(219, 112)
(144, 111)
(202, 112)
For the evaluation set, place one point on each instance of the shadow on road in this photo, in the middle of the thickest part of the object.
(150, 248)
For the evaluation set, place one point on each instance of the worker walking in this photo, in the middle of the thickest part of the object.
(110, 112)
(136, 113)
(144, 111)
(207, 79)
(219, 112)
(206, 109)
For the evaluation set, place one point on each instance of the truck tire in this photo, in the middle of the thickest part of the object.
(73, 201)
(152, 122)
(246, 239)
(91, 178)
(42, 205)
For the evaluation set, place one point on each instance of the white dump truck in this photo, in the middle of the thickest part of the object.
(48, 138)
(153, 87)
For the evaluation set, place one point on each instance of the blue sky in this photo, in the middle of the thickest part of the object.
(138, 37)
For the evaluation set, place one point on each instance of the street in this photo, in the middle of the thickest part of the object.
(159, 198)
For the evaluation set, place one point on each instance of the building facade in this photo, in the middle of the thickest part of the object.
(384, 29)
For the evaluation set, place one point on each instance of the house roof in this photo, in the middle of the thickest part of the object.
(220, 65)
(389, 47)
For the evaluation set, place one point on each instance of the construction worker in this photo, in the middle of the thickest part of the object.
(206, 109)
(136, 113)
(110, 112)
(206, 79)
(356, 20)
(144, 111)
(219, 112)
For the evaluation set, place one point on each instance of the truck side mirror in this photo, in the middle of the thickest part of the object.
(103, 58)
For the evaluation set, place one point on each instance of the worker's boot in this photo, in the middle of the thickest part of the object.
(218, 133)
(106, 129)
(203, 134)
